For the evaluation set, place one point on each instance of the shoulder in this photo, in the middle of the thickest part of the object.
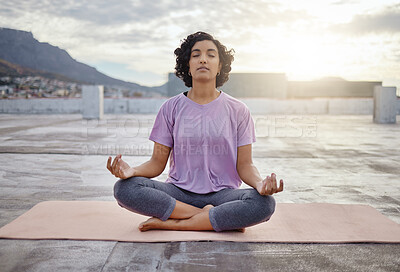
(171, 102)
(236, 104)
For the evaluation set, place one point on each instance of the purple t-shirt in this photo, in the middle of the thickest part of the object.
(204, 141)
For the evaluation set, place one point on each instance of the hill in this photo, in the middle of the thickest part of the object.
(15, 70)
(21, 48)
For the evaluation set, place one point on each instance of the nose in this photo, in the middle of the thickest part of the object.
(203, 59)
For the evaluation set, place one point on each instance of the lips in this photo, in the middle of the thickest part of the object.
(203, 68)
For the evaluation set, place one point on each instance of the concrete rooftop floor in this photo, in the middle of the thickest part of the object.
(331, 159)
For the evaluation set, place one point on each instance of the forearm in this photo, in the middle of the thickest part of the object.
(149, 169)
(249, 174)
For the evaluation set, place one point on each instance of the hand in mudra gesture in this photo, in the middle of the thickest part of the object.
(119, 168)
(269, 185)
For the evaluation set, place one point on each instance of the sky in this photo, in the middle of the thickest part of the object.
(134, 40)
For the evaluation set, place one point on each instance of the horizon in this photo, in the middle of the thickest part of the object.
(134, 40)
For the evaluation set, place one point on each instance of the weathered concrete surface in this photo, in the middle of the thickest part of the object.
(335, 159)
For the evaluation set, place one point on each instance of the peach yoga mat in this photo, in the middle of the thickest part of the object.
(291, 223)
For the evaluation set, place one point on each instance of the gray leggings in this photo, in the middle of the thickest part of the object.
(233, 208)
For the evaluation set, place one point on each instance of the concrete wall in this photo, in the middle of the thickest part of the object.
(398, 106)
(151, 105)
(67, 106)
(48, 106)
(137, 105)
(351, 106)
(287, 106)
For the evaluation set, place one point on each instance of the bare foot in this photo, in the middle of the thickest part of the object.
(207, 207)
(151, 223)
(178, 224)
(156, 223)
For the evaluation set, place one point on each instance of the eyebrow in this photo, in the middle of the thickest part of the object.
(211, 49)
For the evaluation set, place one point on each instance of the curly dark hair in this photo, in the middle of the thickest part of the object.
(183, 52)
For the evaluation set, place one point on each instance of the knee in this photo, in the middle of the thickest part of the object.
(117, 189)
(123, 187)
(269, 206)
(264, 206)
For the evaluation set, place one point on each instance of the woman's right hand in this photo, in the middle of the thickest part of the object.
(119, 168)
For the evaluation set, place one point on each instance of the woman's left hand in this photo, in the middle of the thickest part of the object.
(269, 185)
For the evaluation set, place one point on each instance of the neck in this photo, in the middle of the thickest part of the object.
(203, 92)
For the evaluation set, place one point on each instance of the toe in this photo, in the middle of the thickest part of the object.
(208, 207)
(142, 226)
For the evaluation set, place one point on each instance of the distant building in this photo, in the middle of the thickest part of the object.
(5, 89)
(242, 85)
(331, 88)
(276, 85)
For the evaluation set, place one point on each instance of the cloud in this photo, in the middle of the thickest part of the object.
(344, 2)
(144, 34)
(204, 14)
(385, 21)
(99, 12)
(141, 35)
(144, 24)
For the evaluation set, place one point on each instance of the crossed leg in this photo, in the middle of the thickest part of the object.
(234, 209)
(179, 221)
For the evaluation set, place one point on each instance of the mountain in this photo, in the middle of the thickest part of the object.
(21, 48)
(15, 70)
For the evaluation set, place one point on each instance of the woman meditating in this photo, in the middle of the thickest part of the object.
(207, 136)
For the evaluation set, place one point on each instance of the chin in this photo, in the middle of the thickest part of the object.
(204, 78)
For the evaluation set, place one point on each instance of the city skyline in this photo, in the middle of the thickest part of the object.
(135, 40)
